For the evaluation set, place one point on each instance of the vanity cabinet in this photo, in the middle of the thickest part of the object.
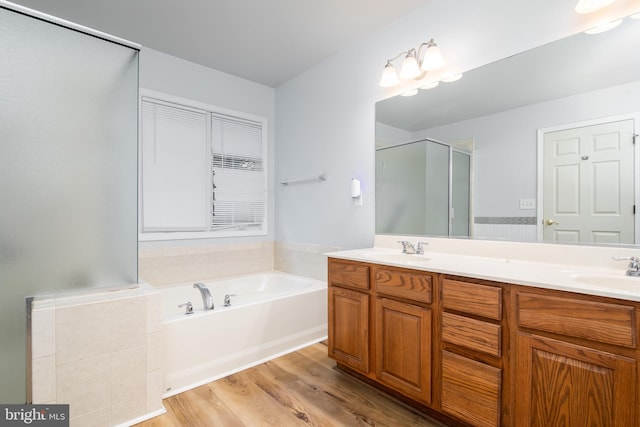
(483, 353)
(472, 348)
(576, 360)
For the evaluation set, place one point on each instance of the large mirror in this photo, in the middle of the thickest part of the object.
(550, 132)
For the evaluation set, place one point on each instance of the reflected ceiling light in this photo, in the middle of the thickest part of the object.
(590, 6)
(430, 85)
(409, 92)
(413, 66)
(604, 27)
(452, 78)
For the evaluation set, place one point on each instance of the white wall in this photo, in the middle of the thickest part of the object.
(174, 76)
(326, 115)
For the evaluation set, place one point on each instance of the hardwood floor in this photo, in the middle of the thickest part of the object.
(298, 389)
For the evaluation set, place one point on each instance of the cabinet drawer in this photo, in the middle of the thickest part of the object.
(473, 334)
(481, 300)
(595, 321)
(347, 274)
(471, 390)
(416, 287)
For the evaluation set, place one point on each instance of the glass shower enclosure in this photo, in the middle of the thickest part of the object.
(423, 188)
(68, 171)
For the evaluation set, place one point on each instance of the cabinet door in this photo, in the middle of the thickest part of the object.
(561, 384)
(403, 348)
(349, 328)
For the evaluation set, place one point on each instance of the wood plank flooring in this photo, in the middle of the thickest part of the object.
(299, 389)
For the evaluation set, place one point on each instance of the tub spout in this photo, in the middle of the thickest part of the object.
(207, 299)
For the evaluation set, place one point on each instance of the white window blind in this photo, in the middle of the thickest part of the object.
(239, 193)
(174, 168)
(202, 171)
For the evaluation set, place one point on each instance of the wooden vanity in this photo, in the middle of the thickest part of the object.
(484, 353)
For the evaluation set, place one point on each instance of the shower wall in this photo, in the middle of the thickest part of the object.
(68, 172)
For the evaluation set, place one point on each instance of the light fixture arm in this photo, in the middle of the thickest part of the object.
(415, 64)
(405, 53)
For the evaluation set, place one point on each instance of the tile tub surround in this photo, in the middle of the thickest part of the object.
(177, 264)
(99, 353)
(303, 259)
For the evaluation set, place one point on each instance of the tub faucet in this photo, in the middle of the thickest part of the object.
(207, 299)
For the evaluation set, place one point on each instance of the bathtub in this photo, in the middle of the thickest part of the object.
(272, 314)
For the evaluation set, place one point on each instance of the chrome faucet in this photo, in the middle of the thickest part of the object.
(227, 299)
(420, 248)
(207, 299)
(188, 307)
(407, 247)
(634, 264)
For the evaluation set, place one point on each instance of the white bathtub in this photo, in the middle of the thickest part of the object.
(272, 314)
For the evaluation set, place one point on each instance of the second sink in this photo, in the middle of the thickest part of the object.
(624, 283)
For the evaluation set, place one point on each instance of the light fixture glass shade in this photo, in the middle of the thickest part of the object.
(389, 76)
(590, 6)
(410, 68)
(432, 58)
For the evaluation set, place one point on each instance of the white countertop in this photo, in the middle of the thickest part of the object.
(585, 279)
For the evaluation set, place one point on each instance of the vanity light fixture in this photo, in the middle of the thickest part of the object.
(590, 6)
(413, 66)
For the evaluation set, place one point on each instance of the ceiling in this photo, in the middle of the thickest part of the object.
(265, 41)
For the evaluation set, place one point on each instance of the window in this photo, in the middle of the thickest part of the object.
(202, 171)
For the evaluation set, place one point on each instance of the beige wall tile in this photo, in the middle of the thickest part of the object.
(128, 323)
(84, 385)
(154, 312)
(303, 260)
(176, 265)
(128, 374)
(43, 332)
(129, 409)
(82, 331)
(43, 374)
(154, 351)
(100, 418)
(155, 390)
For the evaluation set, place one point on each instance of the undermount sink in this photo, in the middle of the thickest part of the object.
(412, 259)
(624, 283)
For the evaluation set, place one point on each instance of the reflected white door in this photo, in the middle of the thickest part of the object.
(588, 193)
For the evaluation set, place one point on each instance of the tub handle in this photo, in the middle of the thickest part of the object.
(227, 299)
(188, 307)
